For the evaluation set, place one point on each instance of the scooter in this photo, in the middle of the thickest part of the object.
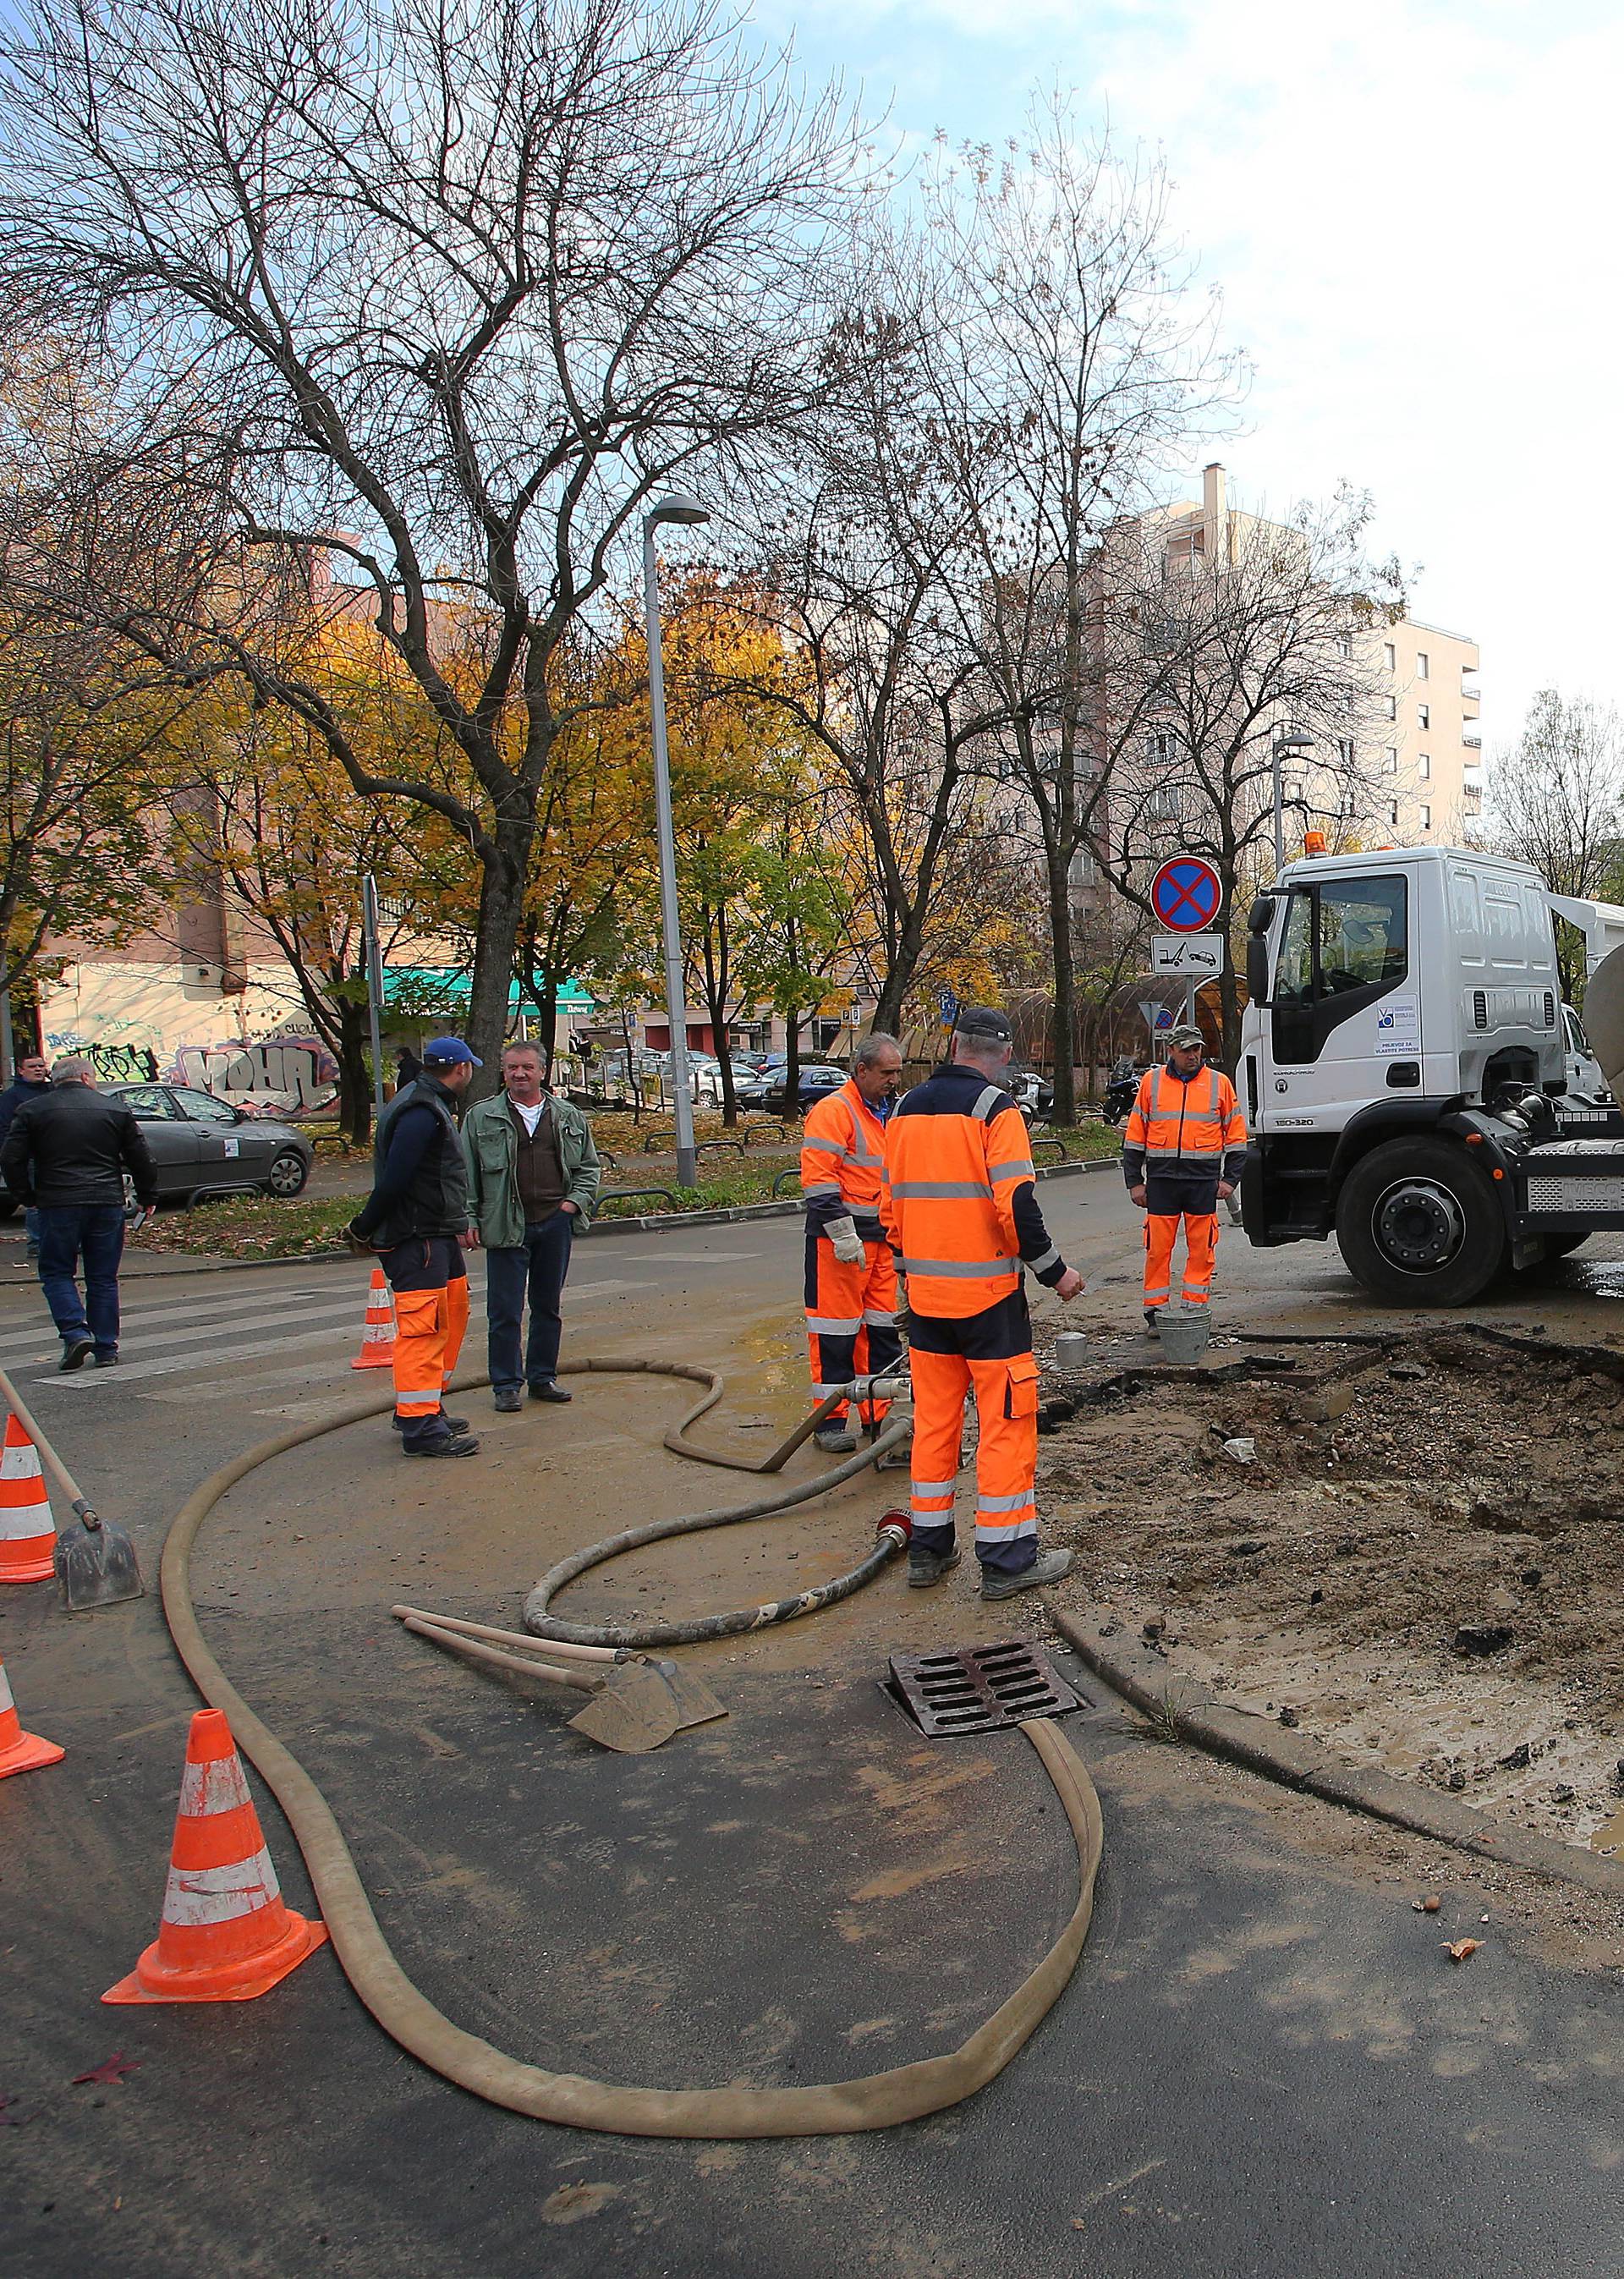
(1119, 1097)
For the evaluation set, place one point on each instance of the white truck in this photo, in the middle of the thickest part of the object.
(1404, 1070)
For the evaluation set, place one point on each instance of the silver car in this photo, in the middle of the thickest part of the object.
(204, 1145)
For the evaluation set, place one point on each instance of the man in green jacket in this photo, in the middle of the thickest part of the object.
(532, 1181)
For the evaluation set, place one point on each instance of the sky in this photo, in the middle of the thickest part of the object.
(1411, 210)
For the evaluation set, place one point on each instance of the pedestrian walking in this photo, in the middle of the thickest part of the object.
(851, 1277)
(416, 1219)
(66, 1157)
(31, 1079)
(959, 1204)
(1182, 1151)
(532, 1182)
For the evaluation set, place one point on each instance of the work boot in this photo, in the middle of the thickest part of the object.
(836, 1439)
(508, 1401)
(926, 1568)
(454, 1444)
(1048, 1567)
(76, 1353)
(1151, 1312)
(545, 1390)
(452, 1423)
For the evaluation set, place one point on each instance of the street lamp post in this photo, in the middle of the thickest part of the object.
(1286, 740)
(676, 507)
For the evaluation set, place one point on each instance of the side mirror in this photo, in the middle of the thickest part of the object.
(1257, 970)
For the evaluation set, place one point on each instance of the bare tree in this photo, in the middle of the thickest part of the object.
(1219, 632)
(1557, 802)
(451, 289)
(1066, 355)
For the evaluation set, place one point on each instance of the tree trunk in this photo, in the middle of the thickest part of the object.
(501, 910)
(791, 1059)
(547, 1002)
(1229, 1008)
(1063, 1037)
(355, 1084)
(899, 979)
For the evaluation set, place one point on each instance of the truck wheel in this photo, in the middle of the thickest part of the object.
(1419, 1224)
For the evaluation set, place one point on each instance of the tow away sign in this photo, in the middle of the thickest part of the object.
(1200, 954)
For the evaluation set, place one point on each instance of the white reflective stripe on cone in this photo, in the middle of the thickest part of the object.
(217, 1786)
(6, 1701)
(19, 1461)
(194, 1896)
(25, 1523)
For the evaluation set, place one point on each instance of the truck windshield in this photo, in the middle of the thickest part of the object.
(1342, 935)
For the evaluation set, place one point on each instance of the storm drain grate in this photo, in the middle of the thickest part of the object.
(980, 1689)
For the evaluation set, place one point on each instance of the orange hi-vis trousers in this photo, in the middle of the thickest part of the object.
(1005, 1389)
(429, 1282)
(1200, 1246)
(851, 1321)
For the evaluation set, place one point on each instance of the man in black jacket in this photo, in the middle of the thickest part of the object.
(32, 1081)
(67, 1155)
(417, 1217)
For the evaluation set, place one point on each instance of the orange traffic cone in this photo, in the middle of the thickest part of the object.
(226, 1933)
(21, 1752)
(27, 1532)
(378, 1334)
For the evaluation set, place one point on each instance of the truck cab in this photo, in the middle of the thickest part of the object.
(1404, 1074)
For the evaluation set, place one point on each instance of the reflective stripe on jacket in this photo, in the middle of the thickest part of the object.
(1182, 1125)
(959, 1199)
(842, 1153)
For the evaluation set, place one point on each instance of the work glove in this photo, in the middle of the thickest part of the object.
(847, 1242)
(360, 1245)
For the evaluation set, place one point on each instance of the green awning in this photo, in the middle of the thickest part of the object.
(447, 986)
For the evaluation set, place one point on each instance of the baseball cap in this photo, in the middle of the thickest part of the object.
(451, 1049)
(987, 1022)
(1185, 1036)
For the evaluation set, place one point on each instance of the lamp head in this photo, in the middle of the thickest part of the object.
(675, 506)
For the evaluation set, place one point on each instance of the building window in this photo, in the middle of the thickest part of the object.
(1392, 656)
(1344, 750)
(1423, 715)
(1345, 645)
(1392, 707)
(1392, 759)
(1426, 818)
(1472, 799)
(1422, 667)
(1393, 813)
(1423, 765)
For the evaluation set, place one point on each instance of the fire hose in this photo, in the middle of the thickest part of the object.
(872, 2101)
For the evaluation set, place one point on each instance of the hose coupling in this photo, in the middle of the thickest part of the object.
(895, 1528)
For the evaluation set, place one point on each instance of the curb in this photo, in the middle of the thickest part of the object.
(657, 1223)
(1155, 1688)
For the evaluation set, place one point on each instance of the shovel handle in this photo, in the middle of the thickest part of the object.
(480, 1652)
(65, 1480)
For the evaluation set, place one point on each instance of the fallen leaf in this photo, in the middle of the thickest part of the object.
(110, 2069)
(1459, 1951)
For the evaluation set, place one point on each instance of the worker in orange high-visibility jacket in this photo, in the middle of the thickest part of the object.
(1182, 1151)
(960, 1207)
(851, 1280)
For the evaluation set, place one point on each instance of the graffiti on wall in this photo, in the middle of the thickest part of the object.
(123, 1064)
(295, 1074)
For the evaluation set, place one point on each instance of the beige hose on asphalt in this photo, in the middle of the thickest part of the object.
(873, 2101)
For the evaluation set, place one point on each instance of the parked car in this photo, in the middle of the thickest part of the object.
(769, 1094)
(202, 1144)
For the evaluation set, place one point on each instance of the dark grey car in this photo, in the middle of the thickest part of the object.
(199, 1142)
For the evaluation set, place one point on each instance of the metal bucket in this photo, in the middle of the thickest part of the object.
(1183, 1335)
(1070, 1352)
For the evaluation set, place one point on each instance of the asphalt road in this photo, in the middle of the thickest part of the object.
(1265, 2064)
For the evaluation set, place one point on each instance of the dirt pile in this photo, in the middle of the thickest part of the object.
(1414, 1551)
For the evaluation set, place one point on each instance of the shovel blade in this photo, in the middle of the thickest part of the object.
(692, 1698)
(633, 1710)
(97, 1567)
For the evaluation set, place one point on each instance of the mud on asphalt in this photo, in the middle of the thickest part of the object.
(1414, 1548)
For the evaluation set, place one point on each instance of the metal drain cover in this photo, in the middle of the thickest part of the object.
(980, 1689)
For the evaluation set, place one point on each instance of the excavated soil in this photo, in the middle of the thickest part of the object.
(1422, 1564)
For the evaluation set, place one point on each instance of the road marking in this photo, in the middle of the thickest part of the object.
(695, 1257)
(134, 1322)
(130, 1372)
(263, 1320)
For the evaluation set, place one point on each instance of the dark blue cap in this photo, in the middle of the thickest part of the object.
(451, 1049)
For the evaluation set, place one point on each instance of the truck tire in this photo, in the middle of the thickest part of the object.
(1420, 1224)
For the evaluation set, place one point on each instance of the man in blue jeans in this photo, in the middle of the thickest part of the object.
(65, 1155)
(532, 1180)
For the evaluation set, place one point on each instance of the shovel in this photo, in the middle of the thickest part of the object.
(637, 1701)
(95, 1561)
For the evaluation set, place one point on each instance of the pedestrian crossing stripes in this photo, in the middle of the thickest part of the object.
(203, 1344)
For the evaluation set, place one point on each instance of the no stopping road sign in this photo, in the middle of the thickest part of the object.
(1186, 895)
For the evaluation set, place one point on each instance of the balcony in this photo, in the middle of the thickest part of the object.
(1473, 743)
(1470, 696)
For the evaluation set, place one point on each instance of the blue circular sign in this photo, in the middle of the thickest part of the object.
(1186, 894)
